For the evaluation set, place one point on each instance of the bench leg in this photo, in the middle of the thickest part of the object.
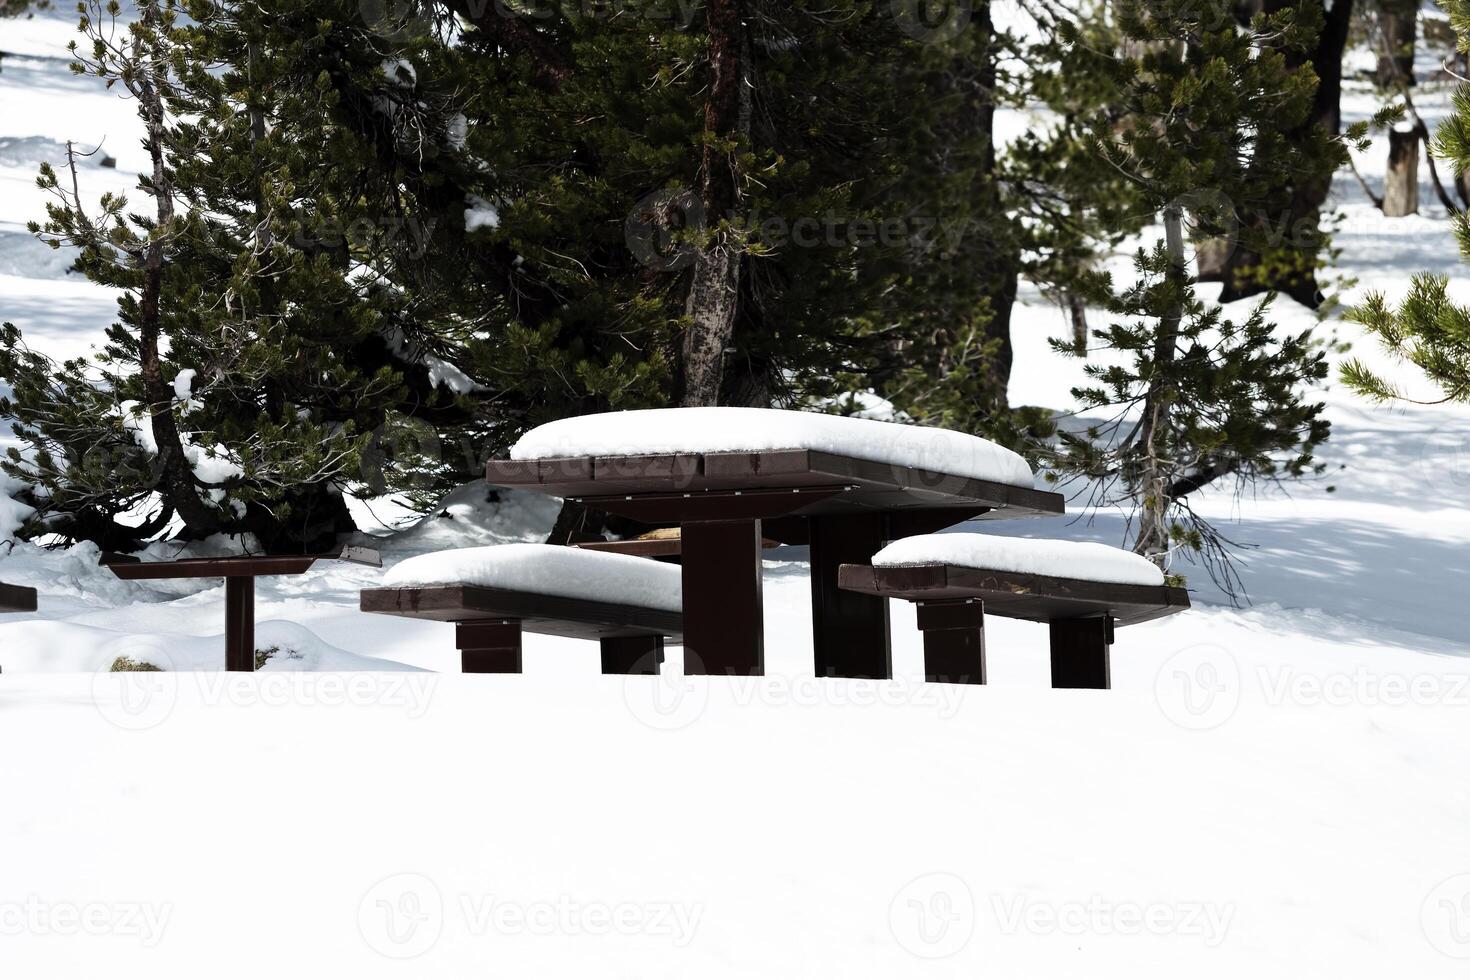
(954, 640)
(240, 623)
(724, 630)
(632, 654)
(489, 647)
(849, 629)
(1079, 652)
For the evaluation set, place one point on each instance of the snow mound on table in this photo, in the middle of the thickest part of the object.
(548, 569)
(1030, 556)
(724, 430)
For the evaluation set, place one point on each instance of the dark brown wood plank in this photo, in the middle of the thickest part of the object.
(849, 629)
(554, 615)
(874, 485)
(17, 598)
(712, 505)
(724, 630)
(1038, 598)
(240, 623)
(671, 472)
(246, 565)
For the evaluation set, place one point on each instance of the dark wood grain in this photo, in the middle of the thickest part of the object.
(17, 598)
(1038, 598)
(555, 615)
(874, 485)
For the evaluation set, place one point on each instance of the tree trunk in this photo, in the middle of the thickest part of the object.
(1212, 259)
(1401, 185)
(177, 483)
(1398, 21)
(714, 287)
(1298, 278)
(1077, 316)
(1002, 293)
(1153, 489)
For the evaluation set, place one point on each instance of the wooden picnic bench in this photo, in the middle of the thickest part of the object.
(493, 593)
(953, 600)
(727, 503)
(239, 573)
(489, 621)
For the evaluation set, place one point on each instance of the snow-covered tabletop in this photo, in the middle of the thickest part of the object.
(1084, 560)
(574, 573)
(722, 430)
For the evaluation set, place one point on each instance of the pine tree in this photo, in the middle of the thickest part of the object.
(1196, 398)
(402, 235)
(250, 376)
(1427, 329)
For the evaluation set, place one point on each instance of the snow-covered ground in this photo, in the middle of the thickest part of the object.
(1276, 790)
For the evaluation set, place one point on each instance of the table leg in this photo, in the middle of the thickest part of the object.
(632, 654)
(954, 640)
(849, 629)
(724, 631)
(1079, 652)
(240, 623)
(490, 647)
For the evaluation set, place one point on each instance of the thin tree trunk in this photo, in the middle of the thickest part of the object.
(1153, 517)
(1212, 259)
(1299, 280)
(713, 302)
(178, 482)
(1077, 315)
(1401, 184)
(1398, 20)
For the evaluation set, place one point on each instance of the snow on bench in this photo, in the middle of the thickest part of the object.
(1030, 556)
(660, 431)
(1080, 589)
(491, 593)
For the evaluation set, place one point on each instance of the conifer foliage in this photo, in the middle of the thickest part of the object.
(1427, 329)
(1184, 397)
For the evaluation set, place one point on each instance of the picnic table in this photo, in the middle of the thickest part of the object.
(844, 508)
(239, 573)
